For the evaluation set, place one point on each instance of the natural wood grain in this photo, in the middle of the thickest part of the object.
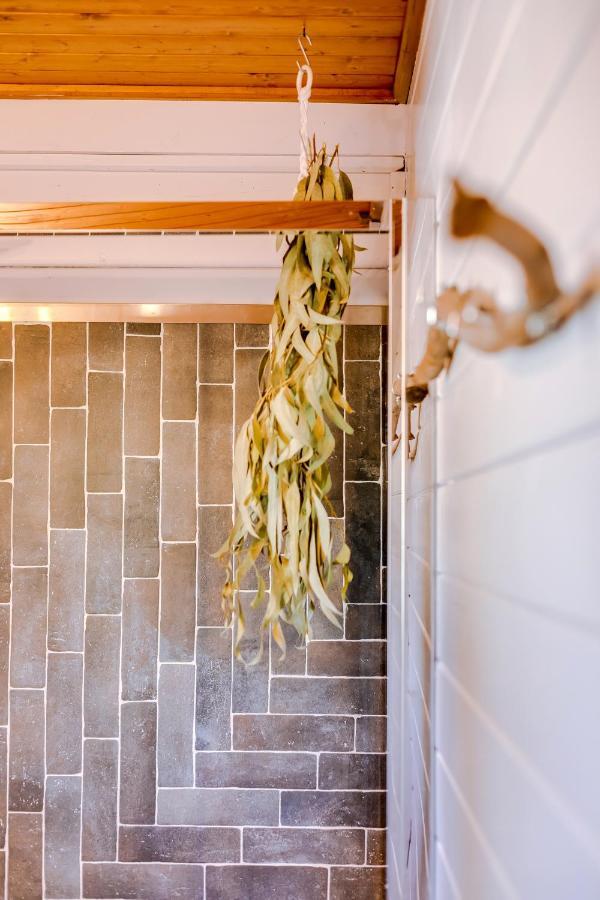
(409, 45)
(270, 93)
(168, 312)
(373, 9)
(184, 80)
(30, 218)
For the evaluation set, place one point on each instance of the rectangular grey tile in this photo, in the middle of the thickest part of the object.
(67, 468)
(250, 335)
(294, 661)
(105, 346)
(29, 624)
(178, 602)
(363, 535)
(99, 813)
(357, 809)
(215, 354)
(32, 384)
(214, 523)
(68, 353)
(64, 713)
(104, 553)
(247, 363)
(365, 621)
(105, 432)
(363, 341)
(3, 786)
(66, 590)
(62, 837)
(5, 540)
(289, 732)
(179, 844)
(213, 707)
(30, 506)
(147, 328)
(178, 482)
(352, 771)
(159, 882)
(256, 770)
(358, 659)
(137, 797)
(250, 690)
(308, 846)
(26, 763)
(25, 850)
(266, 882)
(5, 340)
(376, 851)
(101, 676)
(142, 395)
(6, 419)
(140, 639)
(179, 371)
(371, 734)
(175, 751)
(363, 446)
(217, 806)
(215, 436)
(141, 546)
(352, 696)
(4, 658)
(366, 883)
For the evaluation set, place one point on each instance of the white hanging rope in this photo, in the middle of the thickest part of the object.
(304, 90)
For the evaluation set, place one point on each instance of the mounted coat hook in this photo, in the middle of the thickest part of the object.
(473, 316)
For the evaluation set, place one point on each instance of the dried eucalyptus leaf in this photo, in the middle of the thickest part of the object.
(281, 474)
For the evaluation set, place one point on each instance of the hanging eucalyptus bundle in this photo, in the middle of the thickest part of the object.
(280, 470)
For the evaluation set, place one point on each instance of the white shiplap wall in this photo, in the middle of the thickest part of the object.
(502, 503)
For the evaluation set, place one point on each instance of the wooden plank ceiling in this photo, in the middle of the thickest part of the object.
(362, 50)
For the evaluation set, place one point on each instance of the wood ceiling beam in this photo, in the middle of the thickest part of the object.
(409, 45)
(336, 215)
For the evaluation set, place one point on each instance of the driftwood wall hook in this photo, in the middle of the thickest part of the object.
(473, 316)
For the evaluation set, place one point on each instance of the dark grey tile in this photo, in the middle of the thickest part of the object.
(29, 624)
(147, 328)
(250, 691)
(32, 384)
(64, 713)
(371, 734)
(363, 536)
(214, 523)
(266, 882)
(310, 846)
(366, 883)
(105, 346)
(363, 341)
(6, 419)
(141, 546)
(26, 763)
(30, 506)
(250, 335)
(351, 696)
(217, 806)
(215, 354)
(62, 837)
(359, 659)
(5, 540)
(66, 590)
(175, 752)
(104, 553)
(247, 363)
(294, 661)
(4, 659)
(173, 844)
(289, 732)
(100, 787)
(101, 684)
(137, 803)
(213, 708)
(178, 482)
(140, 639)
(256, 770)
(179, 371)
(333, 808)
(105, 432)
(142, 396)
(215, 404)
(376, 852)
(130, 880)
(363, 447)
(177, 602)
(68, 354)
(365, 621)
(352, 771)
(25, 863)
(3, 786)
(67, 468)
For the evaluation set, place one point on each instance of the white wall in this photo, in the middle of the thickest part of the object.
(502, 502)
(146, 150)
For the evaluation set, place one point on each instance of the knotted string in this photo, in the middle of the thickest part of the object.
(304, 90)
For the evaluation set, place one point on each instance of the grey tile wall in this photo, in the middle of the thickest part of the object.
(137, 757)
